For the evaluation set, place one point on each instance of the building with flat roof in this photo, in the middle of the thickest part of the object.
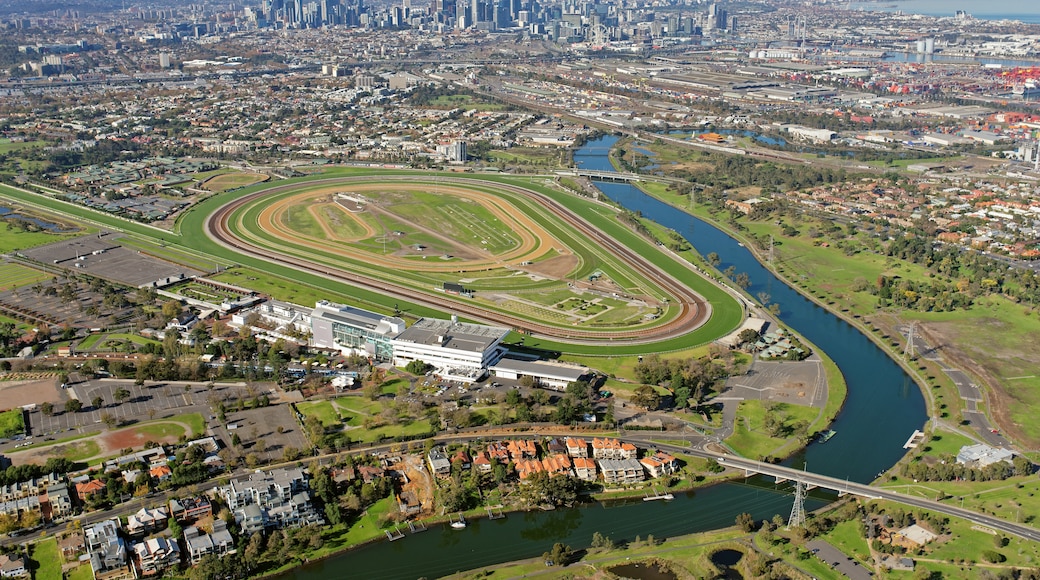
(546, 374)
(458, 350)
(981, 455)
(354, 331)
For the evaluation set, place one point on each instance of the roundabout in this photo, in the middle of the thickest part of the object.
(495, 252)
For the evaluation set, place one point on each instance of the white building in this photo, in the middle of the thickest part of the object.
(155, 555)
(458, 350)
(981, 455)
(546, 374)
(353, 330)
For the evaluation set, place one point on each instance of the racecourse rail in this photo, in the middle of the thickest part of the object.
(694, 311)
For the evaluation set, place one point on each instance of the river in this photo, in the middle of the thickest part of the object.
(883, 407)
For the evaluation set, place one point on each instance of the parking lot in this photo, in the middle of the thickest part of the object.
(263, 425)
(152, 401)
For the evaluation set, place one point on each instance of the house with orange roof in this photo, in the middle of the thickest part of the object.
(482, 463)
(557, 465)
(89, 489)
(659, 464)
(585, 468)
(527, 467)
(577, 447)
(607, 448)
(161, 473)
(522, 449)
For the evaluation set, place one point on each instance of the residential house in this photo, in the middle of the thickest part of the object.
(146, 521)
(525, 468)
(155, 555)
(58, 501)
(107, 551)
(219, 543)
(89, 489)
(585, 468)
(555, 446)
(521, 449)
(12, 565)
(276, 499)
(439, 464)
(659, 464)
(161, 473)
(498, 451)
(408, 503)
(577, 447)
(559, 464)
(621, 470)
(369, 473)
(461, 458)
(190, 509)
(482, 463)
(607, 448)
(71, 546)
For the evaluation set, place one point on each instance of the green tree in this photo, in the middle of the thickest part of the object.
(171, 309)
(97, 402)
(121, 394)
(745, 522)
(559, 555)
(47, 408)
(73, 405)
(645, 396)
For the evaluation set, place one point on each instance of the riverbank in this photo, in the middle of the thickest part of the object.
(870, 332)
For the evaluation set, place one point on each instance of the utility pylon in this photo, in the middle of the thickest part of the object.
(797, 518)
(908, 352)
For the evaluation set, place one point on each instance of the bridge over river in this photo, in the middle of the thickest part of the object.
(844, 486)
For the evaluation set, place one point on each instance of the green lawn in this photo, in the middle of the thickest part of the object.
(81, 572)
(80, 450)
(90, 341)
(7, 146)
(17, 275)
(160, 430)
(944, 442)
(12, 422)
(13, 239)
(195, 420)
(45, 559)
(749, 435)
(322, 410)
(848, 537)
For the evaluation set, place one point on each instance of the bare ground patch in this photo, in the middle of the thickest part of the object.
(556, 268)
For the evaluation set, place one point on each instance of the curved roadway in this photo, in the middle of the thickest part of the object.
(693, 309)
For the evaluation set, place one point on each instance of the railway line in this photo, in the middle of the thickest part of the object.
(693, 309)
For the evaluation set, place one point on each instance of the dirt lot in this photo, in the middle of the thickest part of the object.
(259, 431)
(17, 393)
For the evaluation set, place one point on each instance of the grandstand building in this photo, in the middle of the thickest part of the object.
(354, 331)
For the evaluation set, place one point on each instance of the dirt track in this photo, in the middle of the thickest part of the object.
(694, 311)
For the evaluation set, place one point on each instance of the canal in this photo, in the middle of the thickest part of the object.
(883, 407)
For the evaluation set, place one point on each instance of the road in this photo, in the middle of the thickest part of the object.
(967, 389)
(845, 486)
(642, 439)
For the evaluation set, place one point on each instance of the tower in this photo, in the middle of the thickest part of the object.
(797, 518)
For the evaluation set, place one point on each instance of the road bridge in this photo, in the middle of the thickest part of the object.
(752, 467)
(619, 176)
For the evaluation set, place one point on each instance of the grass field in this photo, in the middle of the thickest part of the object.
(16, 276)
(45, 559)
(13, 239)
(12, 422)
(80, 450)
(322, 410)
(8, 146)
(749, 435)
